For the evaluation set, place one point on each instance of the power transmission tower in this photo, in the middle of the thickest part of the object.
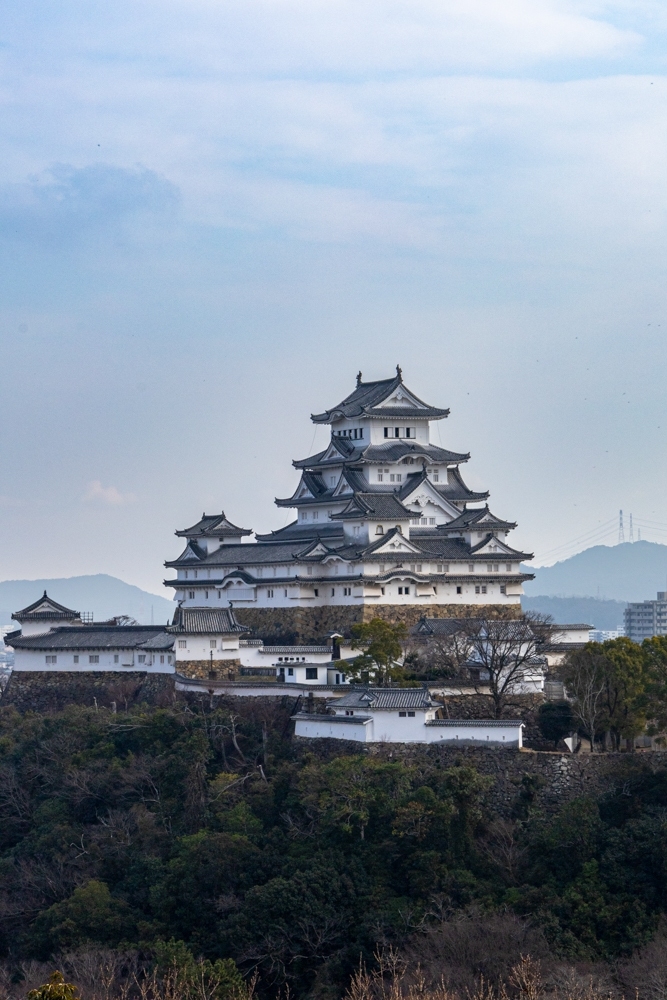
(632, 534)
(621, 532)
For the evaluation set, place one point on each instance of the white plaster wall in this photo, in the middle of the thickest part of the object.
(32, 660)
(43, 627)
(318, 728)
(198, 647)
(481, 735)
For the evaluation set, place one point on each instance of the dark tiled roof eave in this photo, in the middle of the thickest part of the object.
(98, 638)
(364, 400)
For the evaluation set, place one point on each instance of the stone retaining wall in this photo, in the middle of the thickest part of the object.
(224, 669)
(50, 691)
(311, 625)
(548, 779)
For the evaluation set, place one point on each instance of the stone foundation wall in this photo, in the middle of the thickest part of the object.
(550, 779)
(311, 625)
(50, 691)
(223, 669)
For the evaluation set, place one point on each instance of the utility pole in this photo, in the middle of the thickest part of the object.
(632, 534)
(621, 532)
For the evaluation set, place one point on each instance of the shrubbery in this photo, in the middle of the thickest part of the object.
(163, 835)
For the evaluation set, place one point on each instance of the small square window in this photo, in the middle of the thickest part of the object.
(402, 714)
(213, 643)
(316, 592)
(162, 659)
(400, 590)
(471, 567)
(311, 673)
(191, 595)
(459, 590)
(503, 589)
(477, 590)
(51, 659)
(436, 477)
(483, 590)
(406, 590)
(431, 520)
(141, 658)
(115, 658)
(76, 659)
(411, 715)
(290, 671)
(94, 658)
(379, 477)
(508, 567)
(181, 643)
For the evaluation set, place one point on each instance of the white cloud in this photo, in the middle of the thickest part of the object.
(96, 493)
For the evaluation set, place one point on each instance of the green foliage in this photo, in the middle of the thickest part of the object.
(382, 649)
(618, 687)
(184, 832)
(55, 988)
(191, 979)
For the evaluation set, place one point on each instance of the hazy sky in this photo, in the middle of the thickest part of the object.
(213, 214)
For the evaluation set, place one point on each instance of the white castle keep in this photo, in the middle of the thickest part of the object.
(383, 517)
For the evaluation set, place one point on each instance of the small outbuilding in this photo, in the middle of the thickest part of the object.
(402, 715)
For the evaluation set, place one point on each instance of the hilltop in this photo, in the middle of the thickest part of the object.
(106, 596)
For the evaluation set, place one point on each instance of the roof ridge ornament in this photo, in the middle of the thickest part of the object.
(399, 372)
(358, 379)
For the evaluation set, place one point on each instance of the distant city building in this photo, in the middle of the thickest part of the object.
(383, 518)
(604, 635)
(646, 619)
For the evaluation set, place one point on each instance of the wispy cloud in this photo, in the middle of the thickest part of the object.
(96, 493)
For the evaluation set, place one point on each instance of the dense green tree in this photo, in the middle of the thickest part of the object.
(555, 720)
(381, 643)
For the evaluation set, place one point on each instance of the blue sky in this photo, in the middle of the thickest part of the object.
(213, 215)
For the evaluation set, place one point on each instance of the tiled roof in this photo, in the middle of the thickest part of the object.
(295, 650)
(510, 629)
(213, 524)
(367, 396)
(385, 699)
(392, 450)
(353, 720)
(476, 723)
(456, 489)
(44, 608)
(376, 506)
(99, 637)
(209, 620)
(477, 516)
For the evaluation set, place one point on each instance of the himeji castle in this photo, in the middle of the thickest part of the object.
(385, 525)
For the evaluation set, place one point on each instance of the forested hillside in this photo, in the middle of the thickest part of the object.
(210, 827)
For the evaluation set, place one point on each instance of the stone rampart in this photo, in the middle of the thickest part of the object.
(50, 691)
(201, 669)
(311, 625)
(549, 779)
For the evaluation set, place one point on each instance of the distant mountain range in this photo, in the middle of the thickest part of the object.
(595, 585)
(606, 615)
(105, 596)
(627, 572)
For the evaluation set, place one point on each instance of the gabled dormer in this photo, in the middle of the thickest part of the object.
(44, 615)
(214, 530)
(427, 504)
(493, 547)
